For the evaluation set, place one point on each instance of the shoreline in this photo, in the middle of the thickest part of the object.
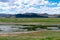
(31, 23)
(29, 32)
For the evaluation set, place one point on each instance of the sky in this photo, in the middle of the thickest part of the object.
(35, 6)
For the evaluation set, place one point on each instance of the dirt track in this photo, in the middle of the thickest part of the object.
(19, 33)
(33, 23)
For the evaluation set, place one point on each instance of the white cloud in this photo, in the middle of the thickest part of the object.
(58, 4)
(55, 10)
(22, 6)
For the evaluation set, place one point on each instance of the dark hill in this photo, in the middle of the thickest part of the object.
(30, 15)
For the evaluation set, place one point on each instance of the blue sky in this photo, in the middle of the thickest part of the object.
(55, 1)
(36, 6)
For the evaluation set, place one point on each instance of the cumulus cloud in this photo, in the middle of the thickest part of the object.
(22, 6)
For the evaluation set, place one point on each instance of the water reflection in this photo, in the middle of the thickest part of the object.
(24, 28)
(11, 28)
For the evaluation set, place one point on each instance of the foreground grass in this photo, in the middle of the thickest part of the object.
(42, 35)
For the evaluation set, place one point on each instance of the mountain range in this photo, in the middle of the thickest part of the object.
(29, 15)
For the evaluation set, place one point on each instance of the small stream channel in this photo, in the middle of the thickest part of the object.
(8, 28)
(11, 28)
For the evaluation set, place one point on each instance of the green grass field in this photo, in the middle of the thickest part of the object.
(42, 35)
(30, 20)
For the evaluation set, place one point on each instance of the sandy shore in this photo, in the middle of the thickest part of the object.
(19, 33)
(32, 23)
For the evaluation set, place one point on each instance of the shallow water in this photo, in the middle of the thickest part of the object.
(11, 28)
